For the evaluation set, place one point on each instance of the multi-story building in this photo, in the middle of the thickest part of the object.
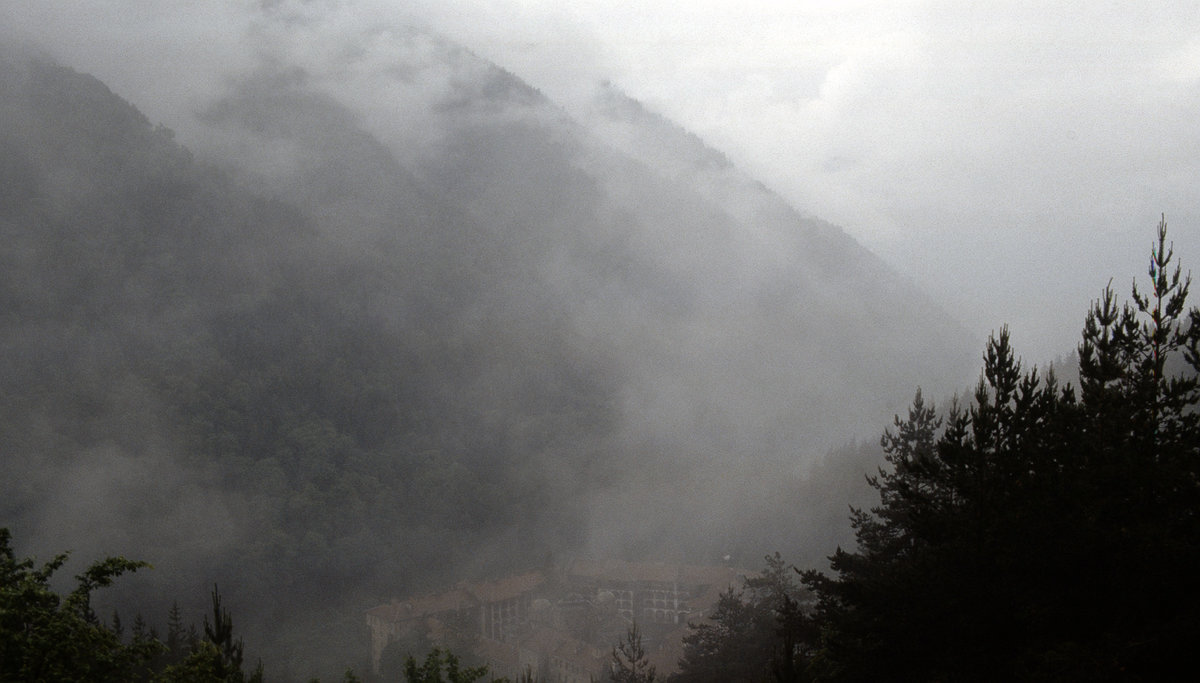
(563, 623)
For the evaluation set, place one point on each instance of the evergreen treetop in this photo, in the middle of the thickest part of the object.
(1034, 534)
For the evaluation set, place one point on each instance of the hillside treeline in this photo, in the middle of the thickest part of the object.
(323, 377)
(1035, 531)
(195, 374)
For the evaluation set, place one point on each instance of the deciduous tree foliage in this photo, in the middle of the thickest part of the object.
(431, 671)
(48, 637)
(1036, 533)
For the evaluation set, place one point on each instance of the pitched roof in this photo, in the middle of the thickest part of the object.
(506, 588)
(463, 596)
(656, 572)
(423, 605)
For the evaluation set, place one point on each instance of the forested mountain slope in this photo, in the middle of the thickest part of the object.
(325, 361)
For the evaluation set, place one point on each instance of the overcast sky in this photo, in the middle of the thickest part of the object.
(1010, 157)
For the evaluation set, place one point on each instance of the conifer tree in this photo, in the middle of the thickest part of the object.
(757, 633)
(441, 666)
(629, 662)
(1031, 533)
(177, 636)
(215, 658)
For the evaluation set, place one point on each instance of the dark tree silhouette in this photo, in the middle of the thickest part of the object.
(1034, 534)
(629, 662)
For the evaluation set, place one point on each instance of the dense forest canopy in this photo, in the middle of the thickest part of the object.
(325, 363)
(1033, 531)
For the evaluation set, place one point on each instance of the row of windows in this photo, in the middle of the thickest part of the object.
(658, 616)
(651, 598)
(665, 604)
(503, 616)
(666, 595)
(624, 600)
(664, 616)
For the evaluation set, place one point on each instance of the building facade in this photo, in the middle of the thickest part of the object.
(559, 624)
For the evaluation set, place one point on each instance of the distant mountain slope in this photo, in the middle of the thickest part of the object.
(197, 375)
(623, 218)
(414, 321)
(826, 275)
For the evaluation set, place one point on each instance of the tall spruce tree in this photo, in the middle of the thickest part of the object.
(1033, 534)
(629, 661)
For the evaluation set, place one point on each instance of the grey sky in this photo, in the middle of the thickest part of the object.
(1011, 157)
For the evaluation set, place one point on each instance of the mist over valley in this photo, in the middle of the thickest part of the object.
(383, 317)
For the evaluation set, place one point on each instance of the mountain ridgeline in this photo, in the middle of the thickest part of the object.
(339, 349)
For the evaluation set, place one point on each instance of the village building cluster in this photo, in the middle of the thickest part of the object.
(559, 624)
